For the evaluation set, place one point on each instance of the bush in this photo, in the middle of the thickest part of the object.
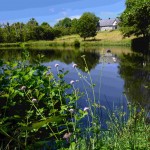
(76, 43)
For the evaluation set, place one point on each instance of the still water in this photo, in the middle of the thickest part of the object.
(120, 77)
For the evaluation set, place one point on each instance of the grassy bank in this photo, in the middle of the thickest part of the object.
(105, 38)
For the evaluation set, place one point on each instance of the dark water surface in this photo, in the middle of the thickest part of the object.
(120, 77)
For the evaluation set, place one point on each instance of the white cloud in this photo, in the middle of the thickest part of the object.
(75, 16)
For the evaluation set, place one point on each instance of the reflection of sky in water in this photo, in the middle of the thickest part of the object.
(112, 86)
(110, 94)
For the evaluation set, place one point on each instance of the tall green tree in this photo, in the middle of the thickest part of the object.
(87, 25)
(64, 26)
(30, 29)
(47, 31)
(74, 26)
(1, 34)
(135, 20)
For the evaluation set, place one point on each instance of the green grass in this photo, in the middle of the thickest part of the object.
(105, 38)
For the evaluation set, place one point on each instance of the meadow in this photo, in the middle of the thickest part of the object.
(105, 38)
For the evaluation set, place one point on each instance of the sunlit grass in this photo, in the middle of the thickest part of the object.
(105, 38)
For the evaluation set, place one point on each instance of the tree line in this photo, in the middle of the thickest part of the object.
(86, 26)
(135, 20)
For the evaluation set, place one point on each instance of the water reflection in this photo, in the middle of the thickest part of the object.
(135, 70)
(131, 74)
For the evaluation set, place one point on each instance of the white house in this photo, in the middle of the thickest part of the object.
(108, 24)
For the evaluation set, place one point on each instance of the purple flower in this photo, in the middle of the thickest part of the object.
(71, 82)
(86, 108)
(71, 110)
(67, 135)
(34, 100)
(74, 65)
(23, 88)
(56, 65)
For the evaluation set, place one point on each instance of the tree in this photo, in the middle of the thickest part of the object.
(135, 20)
(31, 28)
(64, 25)
(74, 26)
(1, 34)
(87, 25)
(66, 22)
(47, 31)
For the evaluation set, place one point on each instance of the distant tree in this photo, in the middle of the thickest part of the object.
(31, 28)
(87, 25)
(74, 26)
(1, 34)
(17, 32)
(64, 25)
(57, 31)
(66, 22)
(47, 31)
(135, 20)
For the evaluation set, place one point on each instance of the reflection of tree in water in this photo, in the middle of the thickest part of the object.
(135, 70)
(67, 56)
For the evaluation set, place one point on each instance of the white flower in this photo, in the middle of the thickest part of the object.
(71, 110)
(56, 65)
(74, 65)
(23, 88)
(114, 59)
(86, 108)
(34, 100)
(67, 135)
(72, 81)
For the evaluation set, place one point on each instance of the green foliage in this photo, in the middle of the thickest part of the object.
(135, 19)
(32, 103)
(19, 32)
(87, 25)
(76, 43)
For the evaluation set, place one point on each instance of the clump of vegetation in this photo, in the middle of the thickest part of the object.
(76, 43)
(135, 19)
(39, 110)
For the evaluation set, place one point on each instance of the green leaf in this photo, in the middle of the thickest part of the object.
(40, 97)
(56, 119)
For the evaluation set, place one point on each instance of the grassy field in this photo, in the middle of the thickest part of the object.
(105, 38)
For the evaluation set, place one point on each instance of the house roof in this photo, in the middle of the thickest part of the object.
(107, 22)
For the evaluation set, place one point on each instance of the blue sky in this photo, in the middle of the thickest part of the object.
(52, 11)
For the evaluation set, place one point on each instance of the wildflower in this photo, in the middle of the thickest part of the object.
(103, 107)
(71, 110)
(56, 65)
(34, 100)
(74, 65)
(77, 80)
(23, 88)
(83, 56)
(86, 108)
(114, 59)
(72, 81)
(67, 135)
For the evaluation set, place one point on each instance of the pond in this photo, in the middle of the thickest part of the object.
(120, 77)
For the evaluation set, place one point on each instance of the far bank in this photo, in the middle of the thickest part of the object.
(105, 38)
